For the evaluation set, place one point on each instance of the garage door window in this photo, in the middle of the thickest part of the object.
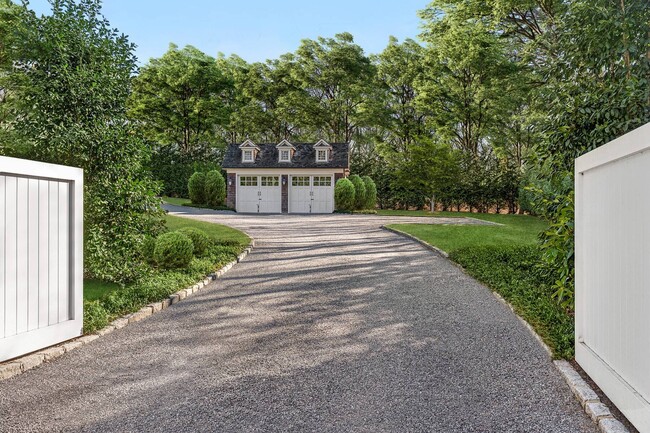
(270, 181)
(300, 181)
(248, 181)
(322, 181)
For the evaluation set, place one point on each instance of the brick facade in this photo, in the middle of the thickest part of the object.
(284, 179)
(231, 190)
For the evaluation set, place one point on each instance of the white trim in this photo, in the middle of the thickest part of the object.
(318, 151)
(248, 144)
(322, 143)
(284, 143)
(285, 170)
(245, 152)
(623, 147)
(288, 159)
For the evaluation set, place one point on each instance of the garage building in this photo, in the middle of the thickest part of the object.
(284, 177)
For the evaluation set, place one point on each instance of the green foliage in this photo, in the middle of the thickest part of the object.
(147, 249)
(180, 99)
(70, 103)
(371, 193)
(215, 189)
(344, 195)
(200, 239)
(196, 188)
(174, 168)
(359, 191)
(513, 272)
(173, 250)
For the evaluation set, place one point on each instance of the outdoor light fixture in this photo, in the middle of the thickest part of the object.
(284, 181)
(229, 182)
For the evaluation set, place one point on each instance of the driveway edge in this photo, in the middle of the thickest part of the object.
(24, 363)
(588, 399)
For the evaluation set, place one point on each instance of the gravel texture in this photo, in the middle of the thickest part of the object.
(330, 324)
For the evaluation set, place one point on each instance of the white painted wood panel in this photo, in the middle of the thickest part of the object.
(613, 271)
(41, 266)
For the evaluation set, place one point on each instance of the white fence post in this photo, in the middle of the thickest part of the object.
(612, 253)
(41, 255)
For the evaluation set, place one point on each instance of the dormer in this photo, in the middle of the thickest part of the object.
(249, 151)
(323, 151)
(285, 151)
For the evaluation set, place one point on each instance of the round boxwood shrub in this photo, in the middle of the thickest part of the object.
(371, 192)
(344, 194)
(359, 191)
(173, 250)
(215, 188)
(147, 248)
(196, 188)
(200, 240)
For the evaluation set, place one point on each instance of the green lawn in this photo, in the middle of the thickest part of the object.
(176, 200)
(513, 230)
(216, 231)
(105, 301)
(506, 258)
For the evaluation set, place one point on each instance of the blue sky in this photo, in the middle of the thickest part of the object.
(253, 29)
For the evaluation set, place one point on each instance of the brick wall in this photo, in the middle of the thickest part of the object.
(285, 193)
(231, 190)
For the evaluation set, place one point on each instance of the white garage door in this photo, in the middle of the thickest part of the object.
(311, 194)
(259, 194)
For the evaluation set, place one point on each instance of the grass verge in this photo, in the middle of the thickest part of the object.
(178, 201)
(506, 259)
(104, 302)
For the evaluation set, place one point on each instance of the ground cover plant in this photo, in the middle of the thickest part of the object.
(104, 302)
(506, 258)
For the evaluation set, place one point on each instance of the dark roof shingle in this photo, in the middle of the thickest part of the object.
(303, 157)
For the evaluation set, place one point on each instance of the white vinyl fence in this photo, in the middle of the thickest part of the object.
(41, 265)
(612, 235)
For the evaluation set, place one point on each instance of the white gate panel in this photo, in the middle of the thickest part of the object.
(41, 274)
(613, 271)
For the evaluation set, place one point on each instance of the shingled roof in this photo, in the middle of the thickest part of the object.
(304, 157)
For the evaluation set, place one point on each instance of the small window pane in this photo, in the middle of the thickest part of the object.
(321, 155)
(270, 181)
(248, 155)
(248, 181)
(322, 181)
(300, 181)
(284, 155)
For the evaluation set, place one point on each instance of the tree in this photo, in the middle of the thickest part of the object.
(196, 188)
(180, 99)
(215, 188)
(337, 78)
(344, 195)
(72, 92)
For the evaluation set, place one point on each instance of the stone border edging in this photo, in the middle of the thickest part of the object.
(20, 365)
(588, 399)
(420, 241)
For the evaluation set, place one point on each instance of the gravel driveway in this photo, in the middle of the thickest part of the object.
(331, 324)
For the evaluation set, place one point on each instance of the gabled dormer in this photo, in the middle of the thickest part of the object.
(285, 151)
(249, 151)
(323, 151)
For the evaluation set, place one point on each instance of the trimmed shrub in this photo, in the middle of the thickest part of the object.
(359, 191)
(173, 250)
(196, 188)
(200, 240)
(371, 193)
(344, 194)
(215, 189)
(147, 249)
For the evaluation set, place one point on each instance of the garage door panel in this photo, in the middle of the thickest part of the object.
(322, 195)
(270, 194)
(248, 194)
(300, 194)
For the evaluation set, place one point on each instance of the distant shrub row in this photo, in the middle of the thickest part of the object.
(355, 193)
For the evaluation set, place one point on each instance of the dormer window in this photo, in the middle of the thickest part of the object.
(248, 151)
(323, 150)
(285, 151)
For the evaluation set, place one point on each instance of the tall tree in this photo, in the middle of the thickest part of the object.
(338, 80)
(180, 99)
(73, 90)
